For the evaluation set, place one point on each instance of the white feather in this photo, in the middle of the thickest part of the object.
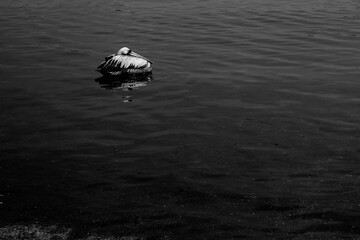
(124, 62)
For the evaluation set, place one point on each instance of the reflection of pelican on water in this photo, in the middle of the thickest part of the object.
(125, 83)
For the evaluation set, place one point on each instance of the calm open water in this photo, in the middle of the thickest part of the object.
(248, 129)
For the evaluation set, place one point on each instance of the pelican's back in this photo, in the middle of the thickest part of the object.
(116, 64)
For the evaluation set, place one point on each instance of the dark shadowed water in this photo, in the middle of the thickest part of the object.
(249, 127)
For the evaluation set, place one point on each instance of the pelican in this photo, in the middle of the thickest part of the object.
(125, 61)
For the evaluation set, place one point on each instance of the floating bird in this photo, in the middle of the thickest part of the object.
(125, 61)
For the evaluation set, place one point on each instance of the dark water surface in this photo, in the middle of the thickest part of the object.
(248, 129)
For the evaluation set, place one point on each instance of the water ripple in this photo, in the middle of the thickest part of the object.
(248, 125)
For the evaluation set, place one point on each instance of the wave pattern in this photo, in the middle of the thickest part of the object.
(248, 128)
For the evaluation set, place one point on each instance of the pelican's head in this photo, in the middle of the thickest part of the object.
(127, 51)
(124, 51)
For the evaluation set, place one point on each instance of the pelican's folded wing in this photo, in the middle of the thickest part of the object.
(116, 63)
(126, 62)
(110, 56)
(105, 64)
